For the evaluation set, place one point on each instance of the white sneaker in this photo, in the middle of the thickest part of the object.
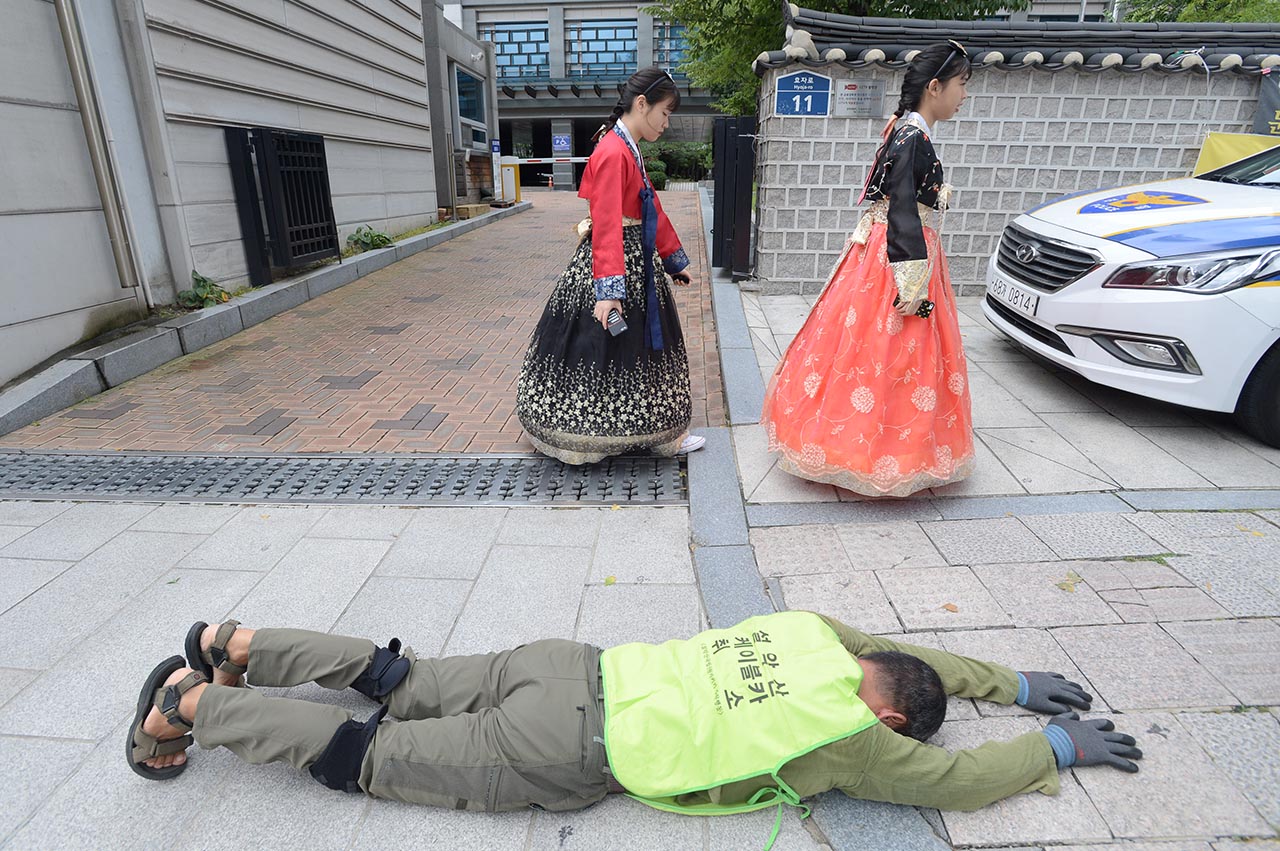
(692, 443)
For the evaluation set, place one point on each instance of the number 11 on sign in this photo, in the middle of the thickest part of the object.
(807, 103)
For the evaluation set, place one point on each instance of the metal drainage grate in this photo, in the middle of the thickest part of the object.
(397, 479)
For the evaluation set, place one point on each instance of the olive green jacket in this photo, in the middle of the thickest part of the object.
(881, 765)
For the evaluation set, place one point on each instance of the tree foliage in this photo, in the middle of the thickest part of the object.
(1225, 11)
(725, 36)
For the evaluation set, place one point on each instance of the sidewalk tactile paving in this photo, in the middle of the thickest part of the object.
(447, 327)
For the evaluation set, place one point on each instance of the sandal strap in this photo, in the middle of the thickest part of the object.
(147, 746)
(217, 656)
(167, 699)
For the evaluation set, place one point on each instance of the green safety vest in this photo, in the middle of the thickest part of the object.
(728, 705)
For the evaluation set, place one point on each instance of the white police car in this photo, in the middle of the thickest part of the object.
(1170, 290)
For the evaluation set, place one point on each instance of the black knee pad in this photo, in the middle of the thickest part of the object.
(339, 766)
(384, 673)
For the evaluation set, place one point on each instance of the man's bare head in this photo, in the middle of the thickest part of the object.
(904, 692)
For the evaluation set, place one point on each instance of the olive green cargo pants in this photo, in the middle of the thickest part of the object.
(499, 731)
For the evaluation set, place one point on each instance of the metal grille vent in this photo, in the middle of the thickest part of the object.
(398, 480)
(1045, 264)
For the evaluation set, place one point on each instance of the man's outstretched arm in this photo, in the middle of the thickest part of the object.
(904, 771)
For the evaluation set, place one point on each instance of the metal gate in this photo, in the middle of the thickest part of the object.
(734, 174)
(283, 199)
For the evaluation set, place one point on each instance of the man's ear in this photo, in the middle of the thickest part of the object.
(892, 718)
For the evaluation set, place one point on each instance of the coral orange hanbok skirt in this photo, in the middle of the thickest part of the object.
(865, 398)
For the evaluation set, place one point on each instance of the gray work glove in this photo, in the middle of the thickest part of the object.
(1050, 693)
(1092, 742)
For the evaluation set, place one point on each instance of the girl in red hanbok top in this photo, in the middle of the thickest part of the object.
(585, 393)
(872, 395)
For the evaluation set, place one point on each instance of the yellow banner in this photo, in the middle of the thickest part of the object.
(1219, 149)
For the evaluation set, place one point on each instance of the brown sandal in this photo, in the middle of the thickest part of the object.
(216, 656)
(140, 746)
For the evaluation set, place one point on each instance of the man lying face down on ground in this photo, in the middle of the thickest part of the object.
(775, 709)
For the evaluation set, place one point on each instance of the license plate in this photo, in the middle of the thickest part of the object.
(1014, 296)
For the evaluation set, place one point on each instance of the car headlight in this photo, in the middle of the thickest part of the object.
(1201, 273)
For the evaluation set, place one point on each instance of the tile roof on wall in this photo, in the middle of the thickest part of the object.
(815, 39)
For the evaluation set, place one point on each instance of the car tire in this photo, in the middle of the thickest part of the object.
(1258, 411)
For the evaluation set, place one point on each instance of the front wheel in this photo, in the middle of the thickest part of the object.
(1258, 411)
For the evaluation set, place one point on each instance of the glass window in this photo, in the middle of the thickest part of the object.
(470, 97)
(669, 44)
(602, 50)
(521, 49)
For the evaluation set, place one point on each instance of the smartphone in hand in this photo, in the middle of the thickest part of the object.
(616, 323)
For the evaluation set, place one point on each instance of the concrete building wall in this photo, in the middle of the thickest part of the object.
(350, 70)
(1023, 137)
(58, 282)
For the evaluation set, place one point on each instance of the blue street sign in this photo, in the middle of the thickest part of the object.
(803, 93)
(495, 145)
(560, 143)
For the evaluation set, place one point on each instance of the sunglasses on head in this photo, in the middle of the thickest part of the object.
(956, 48)
(665, 75)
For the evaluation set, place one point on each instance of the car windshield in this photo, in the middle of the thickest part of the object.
(1261, 169)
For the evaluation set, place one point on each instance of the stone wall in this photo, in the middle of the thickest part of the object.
(1023, 136)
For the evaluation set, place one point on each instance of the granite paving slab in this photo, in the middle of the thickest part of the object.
(522, 594)
(1067, 817)
(75, 533)
(1242, 655)
(1038, 388)
(1135, 573)
(1218, 524)
(750, 830)
(1091, 535)
(853, 597)
(644, 545)
(1132, 410)
(364, 522)
(444, 543)
(29, 513)
(1124, 455)
(1021, 650)
(854, 825)
(1158, 801)
(393, 826)
(20, 577)
(794, 550)
(1043, 462)
(1000, 539)
(622, 613)
(1247, 845)
(77, 697)
(1189, 845)
(42, 765)
(420, 612)
(779, 486)
(1244, 745)
(1139, 666)
(940, 598)
(1044, 595)
(255, 539)
(196, 519)
(14, 680)
(551, 527)
(312, 585)
(276, 807)
(1226, 464)
(1242, 586)
(871, 546)
(996, 407)
(9, 534)
(619, 823)
(46, 624)
(1164, 604)
(751, 449)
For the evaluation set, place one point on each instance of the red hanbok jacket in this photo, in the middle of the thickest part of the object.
(611, 184)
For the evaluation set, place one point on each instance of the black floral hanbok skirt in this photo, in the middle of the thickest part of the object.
(584, 394)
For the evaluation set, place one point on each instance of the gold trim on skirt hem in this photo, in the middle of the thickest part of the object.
(865, 486)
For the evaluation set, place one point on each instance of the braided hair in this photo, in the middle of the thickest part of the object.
(939, 62)
(655, 84)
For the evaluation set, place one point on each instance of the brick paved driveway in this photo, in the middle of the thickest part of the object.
(422, 356)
